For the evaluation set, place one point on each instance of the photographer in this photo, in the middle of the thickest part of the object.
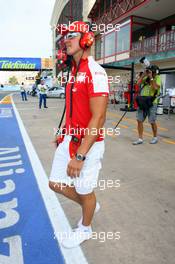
(150, 83)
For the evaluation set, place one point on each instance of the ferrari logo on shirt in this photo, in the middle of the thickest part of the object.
(81, 76)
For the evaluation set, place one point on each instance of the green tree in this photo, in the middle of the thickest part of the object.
(13, 80)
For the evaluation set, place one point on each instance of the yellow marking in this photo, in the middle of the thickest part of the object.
(6, 100)
(122, 126)
(131, 120)
(164, 140)
(111, 135)
(169, 141)
(162, 128)
(119, 116)
(144, 133)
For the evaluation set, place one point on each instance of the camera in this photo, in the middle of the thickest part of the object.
(145, 62)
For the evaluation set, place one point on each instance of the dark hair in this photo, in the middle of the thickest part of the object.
(153, 68)
(140, 74)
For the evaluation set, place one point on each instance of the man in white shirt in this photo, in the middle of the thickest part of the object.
(42, 94)
(23, 92)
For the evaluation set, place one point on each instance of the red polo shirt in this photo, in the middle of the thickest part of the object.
(91, 81)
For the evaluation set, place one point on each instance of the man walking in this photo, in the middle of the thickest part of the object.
(77, 159)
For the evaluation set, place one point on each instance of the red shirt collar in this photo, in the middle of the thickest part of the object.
(82, 61)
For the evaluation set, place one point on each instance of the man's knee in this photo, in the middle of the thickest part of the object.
(52, 185)
(56, 186)
(140, 124)
(86, 195)
(139, 121)
(153, 123)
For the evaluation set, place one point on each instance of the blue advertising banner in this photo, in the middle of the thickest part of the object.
(20, 63)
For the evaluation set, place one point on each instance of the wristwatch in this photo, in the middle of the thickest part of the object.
(80, 157)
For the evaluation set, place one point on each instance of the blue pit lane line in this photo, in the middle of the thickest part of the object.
(30, 213)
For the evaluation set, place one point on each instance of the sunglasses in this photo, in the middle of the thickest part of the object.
(72, 35)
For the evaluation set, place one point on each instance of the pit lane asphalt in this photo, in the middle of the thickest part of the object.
(142, 209)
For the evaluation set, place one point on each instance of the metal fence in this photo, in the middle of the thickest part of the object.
(162, 42)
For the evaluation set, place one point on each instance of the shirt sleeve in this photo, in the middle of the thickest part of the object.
(144, 80)
(97, 83)
(158, 80)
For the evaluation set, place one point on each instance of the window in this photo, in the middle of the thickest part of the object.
(110, 44)
(113, 2)
(101, 7)
(108, 3)
(99, 48)
(123, 38)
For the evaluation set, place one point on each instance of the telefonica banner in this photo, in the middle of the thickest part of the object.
(20, 63)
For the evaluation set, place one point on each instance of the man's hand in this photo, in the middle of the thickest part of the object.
(55, 141)
(150, 74)
(74, 167)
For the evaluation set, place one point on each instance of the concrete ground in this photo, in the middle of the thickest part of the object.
(142, 209)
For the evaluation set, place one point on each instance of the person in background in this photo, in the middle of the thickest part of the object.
(140, 77)
(42, 94)
(23, 92)
(150, 84)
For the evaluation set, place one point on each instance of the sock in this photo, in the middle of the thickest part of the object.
(140, 139)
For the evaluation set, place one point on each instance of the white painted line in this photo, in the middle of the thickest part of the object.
(36, 108)
(56, 214)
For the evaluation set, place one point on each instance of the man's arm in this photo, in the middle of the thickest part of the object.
(98, 106)
(154, 84)
(141, 79)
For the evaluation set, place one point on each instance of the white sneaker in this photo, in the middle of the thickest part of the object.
(97, 208)
(138, 141)
(154, 140)
(75, 238)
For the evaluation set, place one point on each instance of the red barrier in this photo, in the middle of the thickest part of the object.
(127, 95)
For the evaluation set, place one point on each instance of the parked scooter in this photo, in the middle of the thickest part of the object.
(34, 90)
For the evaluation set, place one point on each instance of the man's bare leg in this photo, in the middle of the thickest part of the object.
(154, 129)
(140, 128)
(140, 133)
(88, 203)
(67, 191)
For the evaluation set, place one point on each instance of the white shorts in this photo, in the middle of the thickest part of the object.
(88, 178)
